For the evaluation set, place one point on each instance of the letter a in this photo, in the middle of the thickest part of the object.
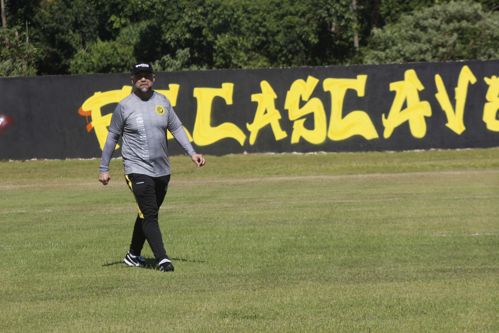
(265, 114)
(416, 110)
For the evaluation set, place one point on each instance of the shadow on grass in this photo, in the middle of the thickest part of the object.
(151, 262)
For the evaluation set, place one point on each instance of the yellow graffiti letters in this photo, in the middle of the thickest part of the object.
(266, 113)
(301, 90)
(317, 117)
(204, 134)
(455, 116)
(491, 108)
(93, 107)
(356, 122)
(407, 91)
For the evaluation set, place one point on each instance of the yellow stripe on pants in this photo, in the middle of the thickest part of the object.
(129, 183)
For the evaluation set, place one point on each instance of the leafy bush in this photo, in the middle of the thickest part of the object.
(457, 30)
(17, 56)
(114, 56)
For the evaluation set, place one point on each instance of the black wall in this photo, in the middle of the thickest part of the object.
(48, 123)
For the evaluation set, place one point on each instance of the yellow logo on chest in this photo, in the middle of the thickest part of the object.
(160, 110)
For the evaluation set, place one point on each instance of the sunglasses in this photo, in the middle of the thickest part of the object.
(147, 76)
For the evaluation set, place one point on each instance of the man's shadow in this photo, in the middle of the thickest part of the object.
(151, 262)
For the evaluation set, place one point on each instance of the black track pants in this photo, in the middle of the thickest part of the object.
(149, 192)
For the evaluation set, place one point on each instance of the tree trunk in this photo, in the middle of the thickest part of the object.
(375, 14)
(355, 25)
(4, 16)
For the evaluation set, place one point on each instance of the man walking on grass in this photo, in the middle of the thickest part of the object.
(141, 119)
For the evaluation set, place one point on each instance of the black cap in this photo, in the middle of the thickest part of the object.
(144, 68)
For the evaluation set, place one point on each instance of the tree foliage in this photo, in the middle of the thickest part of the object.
(451, 31)
(61, 28)
(17, 57)
(108, 56)
(90, 36)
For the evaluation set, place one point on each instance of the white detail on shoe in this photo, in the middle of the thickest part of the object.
(133, 260)
(164, 261)
(139, 183)
(129, 262)
(140, 259)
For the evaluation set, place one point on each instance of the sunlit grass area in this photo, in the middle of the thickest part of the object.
(346, 242)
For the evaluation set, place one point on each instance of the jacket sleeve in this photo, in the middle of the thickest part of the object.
(176, 128)
(114, 134)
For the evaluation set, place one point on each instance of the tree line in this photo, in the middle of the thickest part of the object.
(40, 37)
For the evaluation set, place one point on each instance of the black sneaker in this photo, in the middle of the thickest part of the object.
(134, 261)
(165, 265)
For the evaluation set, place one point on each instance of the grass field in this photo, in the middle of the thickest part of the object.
(347, 242)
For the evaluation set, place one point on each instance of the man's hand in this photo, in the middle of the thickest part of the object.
(104, 178)
(198, 159)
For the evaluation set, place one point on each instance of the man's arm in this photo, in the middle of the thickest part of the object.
(113, 136)
(178, 132)
(107, 153)
(182, 139)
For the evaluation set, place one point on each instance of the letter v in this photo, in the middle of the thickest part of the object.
(455, 115)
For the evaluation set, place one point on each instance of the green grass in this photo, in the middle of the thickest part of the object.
(347, 242)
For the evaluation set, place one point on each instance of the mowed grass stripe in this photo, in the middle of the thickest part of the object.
(402, 251)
